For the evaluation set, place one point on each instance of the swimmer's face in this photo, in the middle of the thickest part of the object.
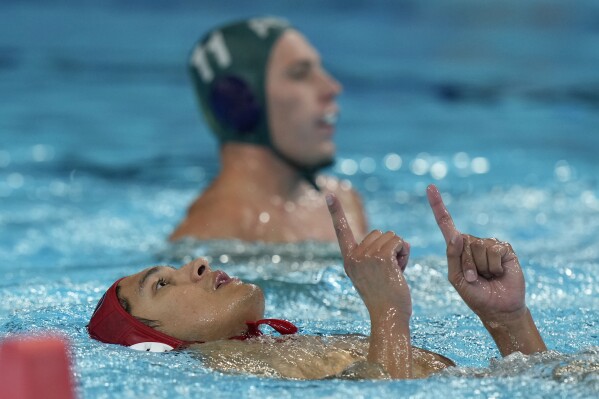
(301, 102)
(193, 303)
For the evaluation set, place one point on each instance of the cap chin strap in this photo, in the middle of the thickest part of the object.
(283, 327)
(307, 172)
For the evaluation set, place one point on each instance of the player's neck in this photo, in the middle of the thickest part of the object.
(257, 166)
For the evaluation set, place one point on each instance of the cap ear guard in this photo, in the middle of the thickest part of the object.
(228, 69)
(234, 104)
(112, 324)
(152, 347)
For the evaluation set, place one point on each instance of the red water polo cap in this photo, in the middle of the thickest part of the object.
(110, 323)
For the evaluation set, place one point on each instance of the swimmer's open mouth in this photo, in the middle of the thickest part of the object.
(330, 118)
(221, 279)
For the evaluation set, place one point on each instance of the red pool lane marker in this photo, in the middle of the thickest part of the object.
(35, 368)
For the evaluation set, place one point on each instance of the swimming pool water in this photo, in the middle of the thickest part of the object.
(102, 149)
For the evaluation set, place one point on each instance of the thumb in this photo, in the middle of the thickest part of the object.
(455, 246)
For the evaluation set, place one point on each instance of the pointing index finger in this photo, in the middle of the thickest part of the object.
(442, 216)
(345, 236)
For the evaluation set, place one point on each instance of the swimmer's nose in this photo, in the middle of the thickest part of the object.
(331, 86)
(199, 268)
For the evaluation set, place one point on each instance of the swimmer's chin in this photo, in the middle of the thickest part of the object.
(253, 303)
(322, 164)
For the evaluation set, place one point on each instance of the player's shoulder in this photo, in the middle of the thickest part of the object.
(342, 188)
(214, 218)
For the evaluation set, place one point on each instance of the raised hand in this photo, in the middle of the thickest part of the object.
(375, 267)
(487, 275)
(485, 272)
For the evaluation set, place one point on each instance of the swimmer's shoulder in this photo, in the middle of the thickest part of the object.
(342, 188)
(216, 216)
(351, 200)
(425, 362)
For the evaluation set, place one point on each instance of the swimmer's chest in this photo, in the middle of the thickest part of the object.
(302, 356)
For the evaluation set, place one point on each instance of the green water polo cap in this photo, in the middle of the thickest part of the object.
(228, 67)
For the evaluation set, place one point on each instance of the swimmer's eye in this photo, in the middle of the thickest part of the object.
(161, 283)
(300, 71)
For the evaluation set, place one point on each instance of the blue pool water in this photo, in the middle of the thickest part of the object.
(102, 149)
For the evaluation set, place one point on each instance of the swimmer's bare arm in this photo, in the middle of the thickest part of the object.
(375, 268)
(487, 275)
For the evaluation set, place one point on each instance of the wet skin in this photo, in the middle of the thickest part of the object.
(193, 303)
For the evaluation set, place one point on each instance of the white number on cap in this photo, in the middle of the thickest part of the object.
(217, 47)
(260, 26)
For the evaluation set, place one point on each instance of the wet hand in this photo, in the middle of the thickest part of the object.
(485, 272)
(375, 266)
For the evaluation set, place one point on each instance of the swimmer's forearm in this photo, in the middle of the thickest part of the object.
(390, 344)
(517, 335)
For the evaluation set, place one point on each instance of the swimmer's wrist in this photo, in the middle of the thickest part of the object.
(391, 315)
(381, 313)
(516, 333)
(513, 318)
(390, 343)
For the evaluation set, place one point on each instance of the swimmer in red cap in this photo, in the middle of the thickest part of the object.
(162, 308)
(272, 105)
